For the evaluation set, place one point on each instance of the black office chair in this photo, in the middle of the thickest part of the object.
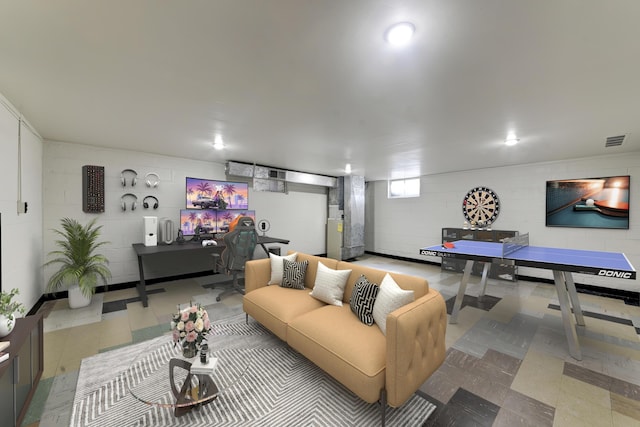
(240, 243)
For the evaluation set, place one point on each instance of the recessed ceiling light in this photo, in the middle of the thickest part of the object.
(218, 144)
(512, 139)
(347, 168)
(400, 34)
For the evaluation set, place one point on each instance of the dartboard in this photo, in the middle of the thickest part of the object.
(481, 206)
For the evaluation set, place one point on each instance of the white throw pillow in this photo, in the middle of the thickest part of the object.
(390, 298)
(277, 267)
(329, 285)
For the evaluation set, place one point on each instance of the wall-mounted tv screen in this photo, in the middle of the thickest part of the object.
(588, 202)
(190, 219)
(226, 217)
(211, 194)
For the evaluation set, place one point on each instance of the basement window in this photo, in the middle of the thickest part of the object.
(401, 188)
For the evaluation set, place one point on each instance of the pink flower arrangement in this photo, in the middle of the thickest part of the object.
(190, 325)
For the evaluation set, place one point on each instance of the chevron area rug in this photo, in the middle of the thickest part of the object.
(279, 388)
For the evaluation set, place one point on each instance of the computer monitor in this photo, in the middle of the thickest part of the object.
(211, 194)
(226, 217)
(190, 219)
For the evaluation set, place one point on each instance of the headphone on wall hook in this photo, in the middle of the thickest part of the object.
(146, 205)
(152, 179)
(123, 202)
(123, 178)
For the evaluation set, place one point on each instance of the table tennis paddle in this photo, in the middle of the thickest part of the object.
(448, 245)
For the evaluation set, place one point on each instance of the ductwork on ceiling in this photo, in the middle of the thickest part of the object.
(266, 178)
(345, 227)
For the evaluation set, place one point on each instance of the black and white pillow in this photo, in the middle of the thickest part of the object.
(363, 298)
(277, 267)
(293, 274)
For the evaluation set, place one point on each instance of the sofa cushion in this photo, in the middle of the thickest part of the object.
(312, 269)
(417, 284)
(335, 340)
(277, 267)
(363, 298)
(275, 307)
(329, 284)
(390, 298)
(293, 274)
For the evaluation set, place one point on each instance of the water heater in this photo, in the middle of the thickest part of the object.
(165, 231)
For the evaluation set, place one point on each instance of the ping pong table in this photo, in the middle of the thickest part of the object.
(563, 262)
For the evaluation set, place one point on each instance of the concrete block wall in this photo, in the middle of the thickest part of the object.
(299, 215)
(21, 233)
(401, 226)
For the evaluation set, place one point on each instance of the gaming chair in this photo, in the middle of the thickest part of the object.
(239, 247)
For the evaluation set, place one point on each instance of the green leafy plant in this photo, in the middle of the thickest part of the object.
(8, 307)
(80, 264)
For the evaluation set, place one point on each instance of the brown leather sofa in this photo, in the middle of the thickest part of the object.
(375, 367)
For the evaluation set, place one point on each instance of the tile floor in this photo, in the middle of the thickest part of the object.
(507, 362)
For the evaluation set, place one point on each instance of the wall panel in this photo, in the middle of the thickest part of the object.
(401, 226)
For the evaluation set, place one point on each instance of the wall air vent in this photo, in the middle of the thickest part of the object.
(277, 174)
(614, 141)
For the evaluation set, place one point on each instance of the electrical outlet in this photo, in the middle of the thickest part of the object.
(22, 207)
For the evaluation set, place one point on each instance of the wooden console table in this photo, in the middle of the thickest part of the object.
(143, 251)
(20, 374)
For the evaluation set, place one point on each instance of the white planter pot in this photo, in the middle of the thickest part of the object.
(77, 298)
(4, 329)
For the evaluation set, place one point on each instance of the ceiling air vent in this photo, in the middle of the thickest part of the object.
(614, 141)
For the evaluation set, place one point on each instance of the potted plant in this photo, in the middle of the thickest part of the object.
(81, 268)
(8, 309)
(190, 327)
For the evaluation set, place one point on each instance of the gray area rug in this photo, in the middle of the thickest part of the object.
(279, 388)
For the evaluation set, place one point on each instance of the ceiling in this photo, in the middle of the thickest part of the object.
(311, 85)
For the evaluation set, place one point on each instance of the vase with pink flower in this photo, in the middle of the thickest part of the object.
(190, 327)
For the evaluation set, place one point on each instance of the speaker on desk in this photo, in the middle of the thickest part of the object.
(165, 231)
(150, 230)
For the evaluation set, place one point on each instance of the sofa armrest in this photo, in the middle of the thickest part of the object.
(257, 274)
(415, 345)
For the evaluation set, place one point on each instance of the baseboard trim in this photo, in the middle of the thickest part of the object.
(119, 286)
(630, 298)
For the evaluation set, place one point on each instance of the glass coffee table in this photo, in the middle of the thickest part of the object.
(161, 376)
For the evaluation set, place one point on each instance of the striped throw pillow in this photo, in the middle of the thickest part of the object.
(362, 299)
(293, 274)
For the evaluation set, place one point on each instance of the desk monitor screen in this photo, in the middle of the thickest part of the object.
(192, 218)
(211, 194)
(226, 217)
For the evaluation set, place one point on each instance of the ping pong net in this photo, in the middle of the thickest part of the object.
(512, 244)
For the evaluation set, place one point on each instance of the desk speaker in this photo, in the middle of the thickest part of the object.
(150, 230)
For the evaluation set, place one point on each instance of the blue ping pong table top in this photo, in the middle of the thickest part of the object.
(609, 264)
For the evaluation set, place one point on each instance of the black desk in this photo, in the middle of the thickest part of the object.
(143, 251)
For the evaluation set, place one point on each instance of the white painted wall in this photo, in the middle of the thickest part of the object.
(401, 226)
(299, 215)
(21, 234)
(51, 184)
